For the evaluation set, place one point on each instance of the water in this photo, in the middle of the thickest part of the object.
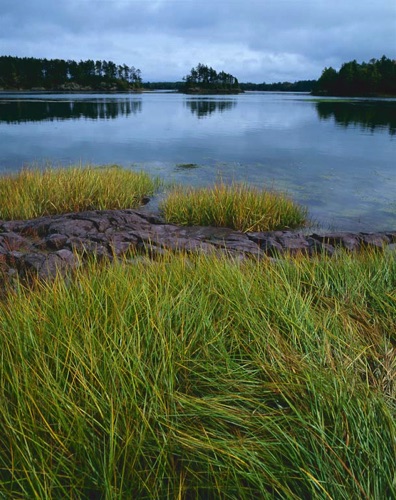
(336, 157)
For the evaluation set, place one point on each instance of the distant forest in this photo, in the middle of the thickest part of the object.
(299, 86)
(377, 77)
(50, 74)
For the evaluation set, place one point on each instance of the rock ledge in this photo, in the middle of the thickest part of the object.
(49, 244)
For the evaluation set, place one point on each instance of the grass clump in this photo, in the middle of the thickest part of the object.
(237, 206)
(33, 193)
(202, 378)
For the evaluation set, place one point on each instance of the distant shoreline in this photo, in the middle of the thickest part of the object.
(198, 91)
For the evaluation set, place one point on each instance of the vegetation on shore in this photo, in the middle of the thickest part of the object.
(32, 192)
(237, 206)
(298, 86)
(51, 74)
(195, 376)
(377, 77)
(202, 378)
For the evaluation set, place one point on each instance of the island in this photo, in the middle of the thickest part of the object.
(205, 80)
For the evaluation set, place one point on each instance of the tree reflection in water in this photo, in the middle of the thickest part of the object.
(205, 107)
(369, 115)
(16, 111)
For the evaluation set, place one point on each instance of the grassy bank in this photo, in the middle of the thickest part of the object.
(33, 193)
(202, 378)
(238, 206)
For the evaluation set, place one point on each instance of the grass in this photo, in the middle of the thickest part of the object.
(202, 378)
(33, 193)
(237, 206)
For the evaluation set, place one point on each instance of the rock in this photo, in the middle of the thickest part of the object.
(374, 240)
(13, 241)
(319, 248)
(293, 243)
(48, 245)
(56, 241)
(349, 241)
(267, 243)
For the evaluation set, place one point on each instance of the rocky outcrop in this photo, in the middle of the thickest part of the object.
(51, 244)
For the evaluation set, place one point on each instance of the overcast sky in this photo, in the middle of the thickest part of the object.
(255, 40)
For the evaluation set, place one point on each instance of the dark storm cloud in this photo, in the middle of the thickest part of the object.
(257, 40)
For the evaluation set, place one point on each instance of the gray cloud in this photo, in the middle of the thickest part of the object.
(256, 40)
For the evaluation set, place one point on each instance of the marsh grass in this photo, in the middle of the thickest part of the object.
(33, 192)
(202, 378)
(237, 206)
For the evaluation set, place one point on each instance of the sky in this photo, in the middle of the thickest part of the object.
(254, 40)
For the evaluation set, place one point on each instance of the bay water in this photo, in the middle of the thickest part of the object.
(336, 156)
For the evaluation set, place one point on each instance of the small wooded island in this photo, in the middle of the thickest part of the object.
(205, 80)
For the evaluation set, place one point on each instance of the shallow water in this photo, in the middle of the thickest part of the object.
(335, 156)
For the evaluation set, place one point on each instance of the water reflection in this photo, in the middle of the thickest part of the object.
(345, 176)
(370, 115)
(16, 111)
(204, 107)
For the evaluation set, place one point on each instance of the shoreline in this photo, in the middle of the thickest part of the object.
(49, 244)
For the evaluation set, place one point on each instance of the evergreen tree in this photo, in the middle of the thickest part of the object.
(354, 79)
(27, 73)
(203, 77)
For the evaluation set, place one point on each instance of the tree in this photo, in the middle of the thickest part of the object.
(25, 73)
(203, 77)
(354, 79)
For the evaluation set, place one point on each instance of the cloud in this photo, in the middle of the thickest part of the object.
(256, 40)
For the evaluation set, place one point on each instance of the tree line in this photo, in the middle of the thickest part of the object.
(299, 86)
(377, 77)
(30, 72)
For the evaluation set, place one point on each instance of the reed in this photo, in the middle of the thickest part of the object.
(33, 192)
(237, 206)
(202, 377)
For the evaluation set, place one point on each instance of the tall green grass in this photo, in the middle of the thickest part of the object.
(33, 193)
(237, 206)
(202, 378)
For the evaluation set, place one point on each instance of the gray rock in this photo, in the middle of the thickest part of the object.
(349, 241)
(48, 245)
(56, 241)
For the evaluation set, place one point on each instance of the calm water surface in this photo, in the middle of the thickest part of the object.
(336, 157)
